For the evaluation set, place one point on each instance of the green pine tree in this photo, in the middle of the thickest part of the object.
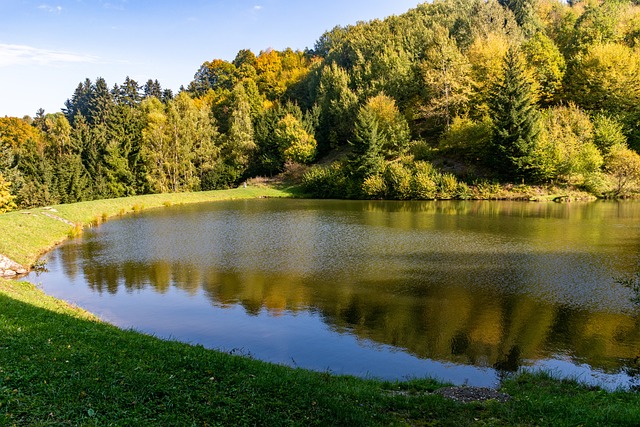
(516, 118)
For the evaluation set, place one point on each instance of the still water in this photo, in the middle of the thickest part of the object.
(460, 291)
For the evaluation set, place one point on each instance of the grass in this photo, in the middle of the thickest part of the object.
(59, 366)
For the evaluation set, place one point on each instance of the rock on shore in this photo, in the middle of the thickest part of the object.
(9, 268)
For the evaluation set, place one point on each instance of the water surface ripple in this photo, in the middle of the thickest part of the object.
(461, 291)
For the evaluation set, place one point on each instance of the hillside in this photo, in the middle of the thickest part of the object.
(449, 98)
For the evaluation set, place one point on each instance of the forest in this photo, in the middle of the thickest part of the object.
(452, 99)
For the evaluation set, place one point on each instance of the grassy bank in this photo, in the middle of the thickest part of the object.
(27, 234)
(61, 366)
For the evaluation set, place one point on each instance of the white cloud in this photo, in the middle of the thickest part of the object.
(14, 54)
(257, 8)
(50, 9)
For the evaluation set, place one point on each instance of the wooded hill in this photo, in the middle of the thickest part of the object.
(440, 102)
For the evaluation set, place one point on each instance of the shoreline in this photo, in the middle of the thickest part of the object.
(30, 233)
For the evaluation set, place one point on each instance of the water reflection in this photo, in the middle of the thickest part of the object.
(492, 285)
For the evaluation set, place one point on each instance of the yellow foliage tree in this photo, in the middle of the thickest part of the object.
(6, 198)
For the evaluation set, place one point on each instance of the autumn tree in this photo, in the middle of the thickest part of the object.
(381, 133)
(217, 75)
(7, 202)
(565, 149)
(623, 165)
(447, 81)
(295, 144)
(547, 66)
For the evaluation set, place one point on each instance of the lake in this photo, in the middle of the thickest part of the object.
(466, 292)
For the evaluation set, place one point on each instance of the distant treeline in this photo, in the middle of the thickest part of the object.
(423, 105)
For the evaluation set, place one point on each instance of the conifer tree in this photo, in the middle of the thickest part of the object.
(240, 142)
(152, 88)
(515, 116)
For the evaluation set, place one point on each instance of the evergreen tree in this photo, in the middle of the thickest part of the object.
(338, 108)
(366, 157)
(522, 9)
(240, 142)
(79, 102)
(129, 93)
(152, 88)
(100, 103)
(516, 118)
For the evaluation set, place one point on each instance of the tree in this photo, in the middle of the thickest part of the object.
(392, 125)
(366, 156)
(245, 57)
(547, 65)
(217, 75)
(180, 143)
(608, 133)
(597, 25)
(487, 67)
(516, 119)
(446, 75)
(295, 144)
(100, 103)
(7, 202)
(155, 148)
(129, 93)
(152, 88)
(522, 10)
(623, 165)
(566, 150)
(381, 133)
(240, 142)
(338, 108)
(78, 104)
(606, 77)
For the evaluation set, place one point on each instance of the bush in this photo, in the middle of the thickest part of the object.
(221, 177)
(420, 150)
(485, 190)
(464, 192)
(424, 184)
(325, 182)
(374, 187)
(447, 186)
(467, 138)
(608, 133)
(398, 181)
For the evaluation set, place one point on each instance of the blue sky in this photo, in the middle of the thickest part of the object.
(47, 47)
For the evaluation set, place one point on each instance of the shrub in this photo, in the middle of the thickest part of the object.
(325, 182)
(485, 190)
(75, 231)
(424, 185)
(447, 186)
(374, 187)
(468, 138)
(398, 181)
(464, 192)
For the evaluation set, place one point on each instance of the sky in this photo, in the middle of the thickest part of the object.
(48, 47)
